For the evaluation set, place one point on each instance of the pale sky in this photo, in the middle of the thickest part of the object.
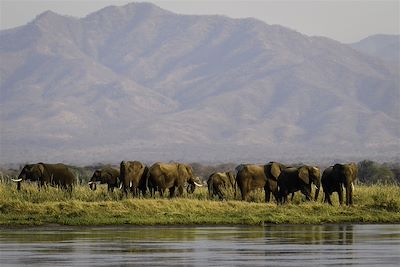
(343, 20)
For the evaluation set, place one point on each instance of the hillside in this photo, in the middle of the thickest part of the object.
(139, 82)
(383, 46)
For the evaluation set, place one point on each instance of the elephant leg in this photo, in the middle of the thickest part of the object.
(172, 192)
(285, 197)
(349, 194)
(306, 192)
(219, 193)
(267, 194)
(328, 197)
(340, 193)
(180, 191)
(291, 198)
(244, 193)
(126, 191)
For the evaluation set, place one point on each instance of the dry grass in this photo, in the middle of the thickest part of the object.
(373, 204)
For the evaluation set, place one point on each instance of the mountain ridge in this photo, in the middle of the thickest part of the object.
(160, 83)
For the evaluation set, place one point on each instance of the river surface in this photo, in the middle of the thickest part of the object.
(271, 245)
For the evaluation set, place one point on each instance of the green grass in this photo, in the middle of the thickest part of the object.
(373, 204)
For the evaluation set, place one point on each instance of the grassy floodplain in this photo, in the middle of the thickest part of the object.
(373, 204)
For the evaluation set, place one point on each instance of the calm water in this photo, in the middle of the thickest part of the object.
(281, 245)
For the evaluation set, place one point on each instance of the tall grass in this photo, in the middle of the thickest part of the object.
(373, 204)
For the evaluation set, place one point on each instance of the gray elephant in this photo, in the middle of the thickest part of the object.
(294, 179)
(47, 174)
(133, 177)
(172, 176)
(218, 181)
(336, 177)
(106, 175)
(250, 177)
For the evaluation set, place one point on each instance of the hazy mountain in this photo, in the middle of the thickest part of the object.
(139, 82)
(383, 46)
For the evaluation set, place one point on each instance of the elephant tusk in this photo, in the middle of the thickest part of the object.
(120, 186)
(352, 186)
(199, 185)
(90, 183)
(16, 180)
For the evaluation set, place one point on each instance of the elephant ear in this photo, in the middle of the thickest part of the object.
(275, 170)
(40, 168)
(304, 175)
(231, 178)
(183, 170)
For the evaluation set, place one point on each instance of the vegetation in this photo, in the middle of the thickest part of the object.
(373, 204)
(376, 198)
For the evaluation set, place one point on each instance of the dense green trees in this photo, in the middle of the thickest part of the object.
(370, 172)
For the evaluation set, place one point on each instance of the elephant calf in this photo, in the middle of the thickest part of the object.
(107, 175)
(298, 179)
(218, 181)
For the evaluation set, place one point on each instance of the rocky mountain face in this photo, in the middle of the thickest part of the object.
(139, 82)
(383, 46)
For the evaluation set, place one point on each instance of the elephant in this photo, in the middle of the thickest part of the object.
(106, 175)
(47, 174)
(251, 177)
(133, 176)
(294, 179)
(337, 176)
(218, 181)
(170, 176)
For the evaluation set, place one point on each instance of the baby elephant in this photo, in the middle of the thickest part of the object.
(106, 175)
(218, 181)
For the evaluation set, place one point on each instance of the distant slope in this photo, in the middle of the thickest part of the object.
(383, 46)
(139, 82)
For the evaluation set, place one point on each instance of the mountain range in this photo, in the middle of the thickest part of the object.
(140, 82)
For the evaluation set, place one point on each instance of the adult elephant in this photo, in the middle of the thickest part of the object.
(336, 177)
(218, 181)
(106, 175)
(294, 179)
(47, 174)
(250, 177)
(133, 175)
(172, 176)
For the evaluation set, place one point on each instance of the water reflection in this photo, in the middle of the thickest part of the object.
(278, 245)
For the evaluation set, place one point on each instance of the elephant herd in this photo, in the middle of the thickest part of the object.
(275, 178)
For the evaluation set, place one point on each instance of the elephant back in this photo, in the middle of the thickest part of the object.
(58, 174)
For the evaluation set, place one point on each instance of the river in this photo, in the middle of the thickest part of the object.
(273, 245)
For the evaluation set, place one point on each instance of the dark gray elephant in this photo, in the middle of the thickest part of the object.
(171, 176)
(250, 177)
(294, 179)
(336, 177)
(219, 181)
(106, 175)
(47, 174)
(133, 176)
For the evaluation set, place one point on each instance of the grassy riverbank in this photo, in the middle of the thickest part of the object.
(374, 204)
